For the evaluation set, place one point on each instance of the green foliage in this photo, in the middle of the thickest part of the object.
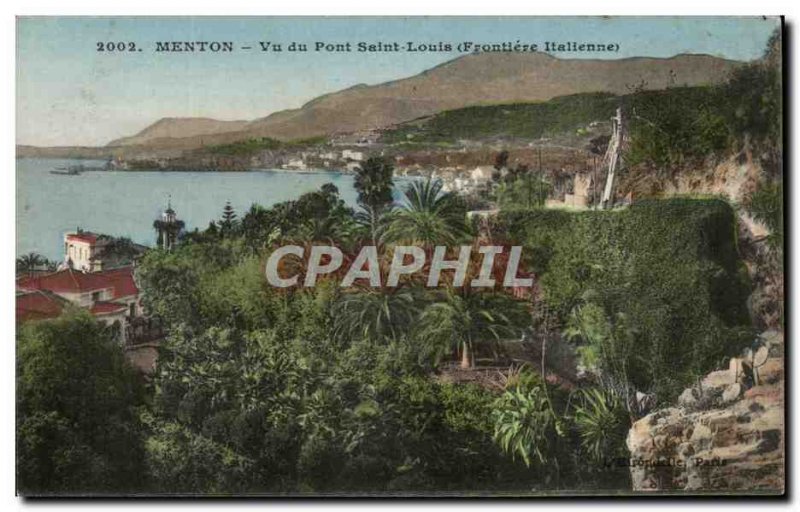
(686, 125)
(676, 126)
(245, 147)
(766, 206)
(464, 319)
(662, 276)
(374, 182)
(77, 421)
(427, 216)
(183, 461)
(306, 391)
(607, 345)
(315, 216)
(602, 423)
(378, 315)
(754, 93)
(525, 424)
(172, 281)
(519, 120)
(120, 251)
(228, 221)
(527, 191)
(31, 262)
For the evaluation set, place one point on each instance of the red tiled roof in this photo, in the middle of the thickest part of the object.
(68, 280)
(102, 308)
(83, 237)
(38, 305)
(73, 281)
(122, 281)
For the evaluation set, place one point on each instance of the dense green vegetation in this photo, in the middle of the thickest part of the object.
(655, 293)
(78, 425)
(252, 146)
(518, 120)
(327, 389)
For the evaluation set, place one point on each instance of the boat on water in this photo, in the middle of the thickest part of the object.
(67, 171)
(76, 170)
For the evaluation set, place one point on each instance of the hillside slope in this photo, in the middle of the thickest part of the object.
(177, 127)
(476, 79)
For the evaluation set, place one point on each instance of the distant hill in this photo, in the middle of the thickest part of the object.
(471, 80)
(100, 153)
(179, 127)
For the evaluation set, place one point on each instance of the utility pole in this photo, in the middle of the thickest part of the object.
(594, 180)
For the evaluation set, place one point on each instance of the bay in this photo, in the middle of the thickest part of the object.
(125, 203)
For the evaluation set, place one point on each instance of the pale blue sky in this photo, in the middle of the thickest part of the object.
(69, 94)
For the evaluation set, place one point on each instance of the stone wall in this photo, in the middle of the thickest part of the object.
(726, 434)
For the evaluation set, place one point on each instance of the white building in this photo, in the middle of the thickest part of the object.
(295, 163)
(82, 251)
(349, 154)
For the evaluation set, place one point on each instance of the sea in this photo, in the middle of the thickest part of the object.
(125, 203)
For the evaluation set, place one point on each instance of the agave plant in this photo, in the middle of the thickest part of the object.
(602, 423)
(524, 424)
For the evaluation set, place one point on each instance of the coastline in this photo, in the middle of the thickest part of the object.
(185, 170)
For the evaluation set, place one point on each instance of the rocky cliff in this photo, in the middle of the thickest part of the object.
(725, 434)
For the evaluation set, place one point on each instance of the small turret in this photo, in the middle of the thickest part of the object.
(168, 227)
(169, 214)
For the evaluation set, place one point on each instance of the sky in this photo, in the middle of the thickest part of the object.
(68, 93)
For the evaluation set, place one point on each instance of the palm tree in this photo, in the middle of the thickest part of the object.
(374, 183)
(377, 315)
(428, 216)
(464, 319)
(30, 262)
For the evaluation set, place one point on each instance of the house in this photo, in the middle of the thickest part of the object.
(38, 305)
(111, 296)
(82, 250)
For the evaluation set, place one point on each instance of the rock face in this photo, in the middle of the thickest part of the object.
(726, 434)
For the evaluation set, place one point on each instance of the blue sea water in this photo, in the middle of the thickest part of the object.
(125, 203)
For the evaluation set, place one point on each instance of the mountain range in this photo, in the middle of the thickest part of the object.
(474, 79)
